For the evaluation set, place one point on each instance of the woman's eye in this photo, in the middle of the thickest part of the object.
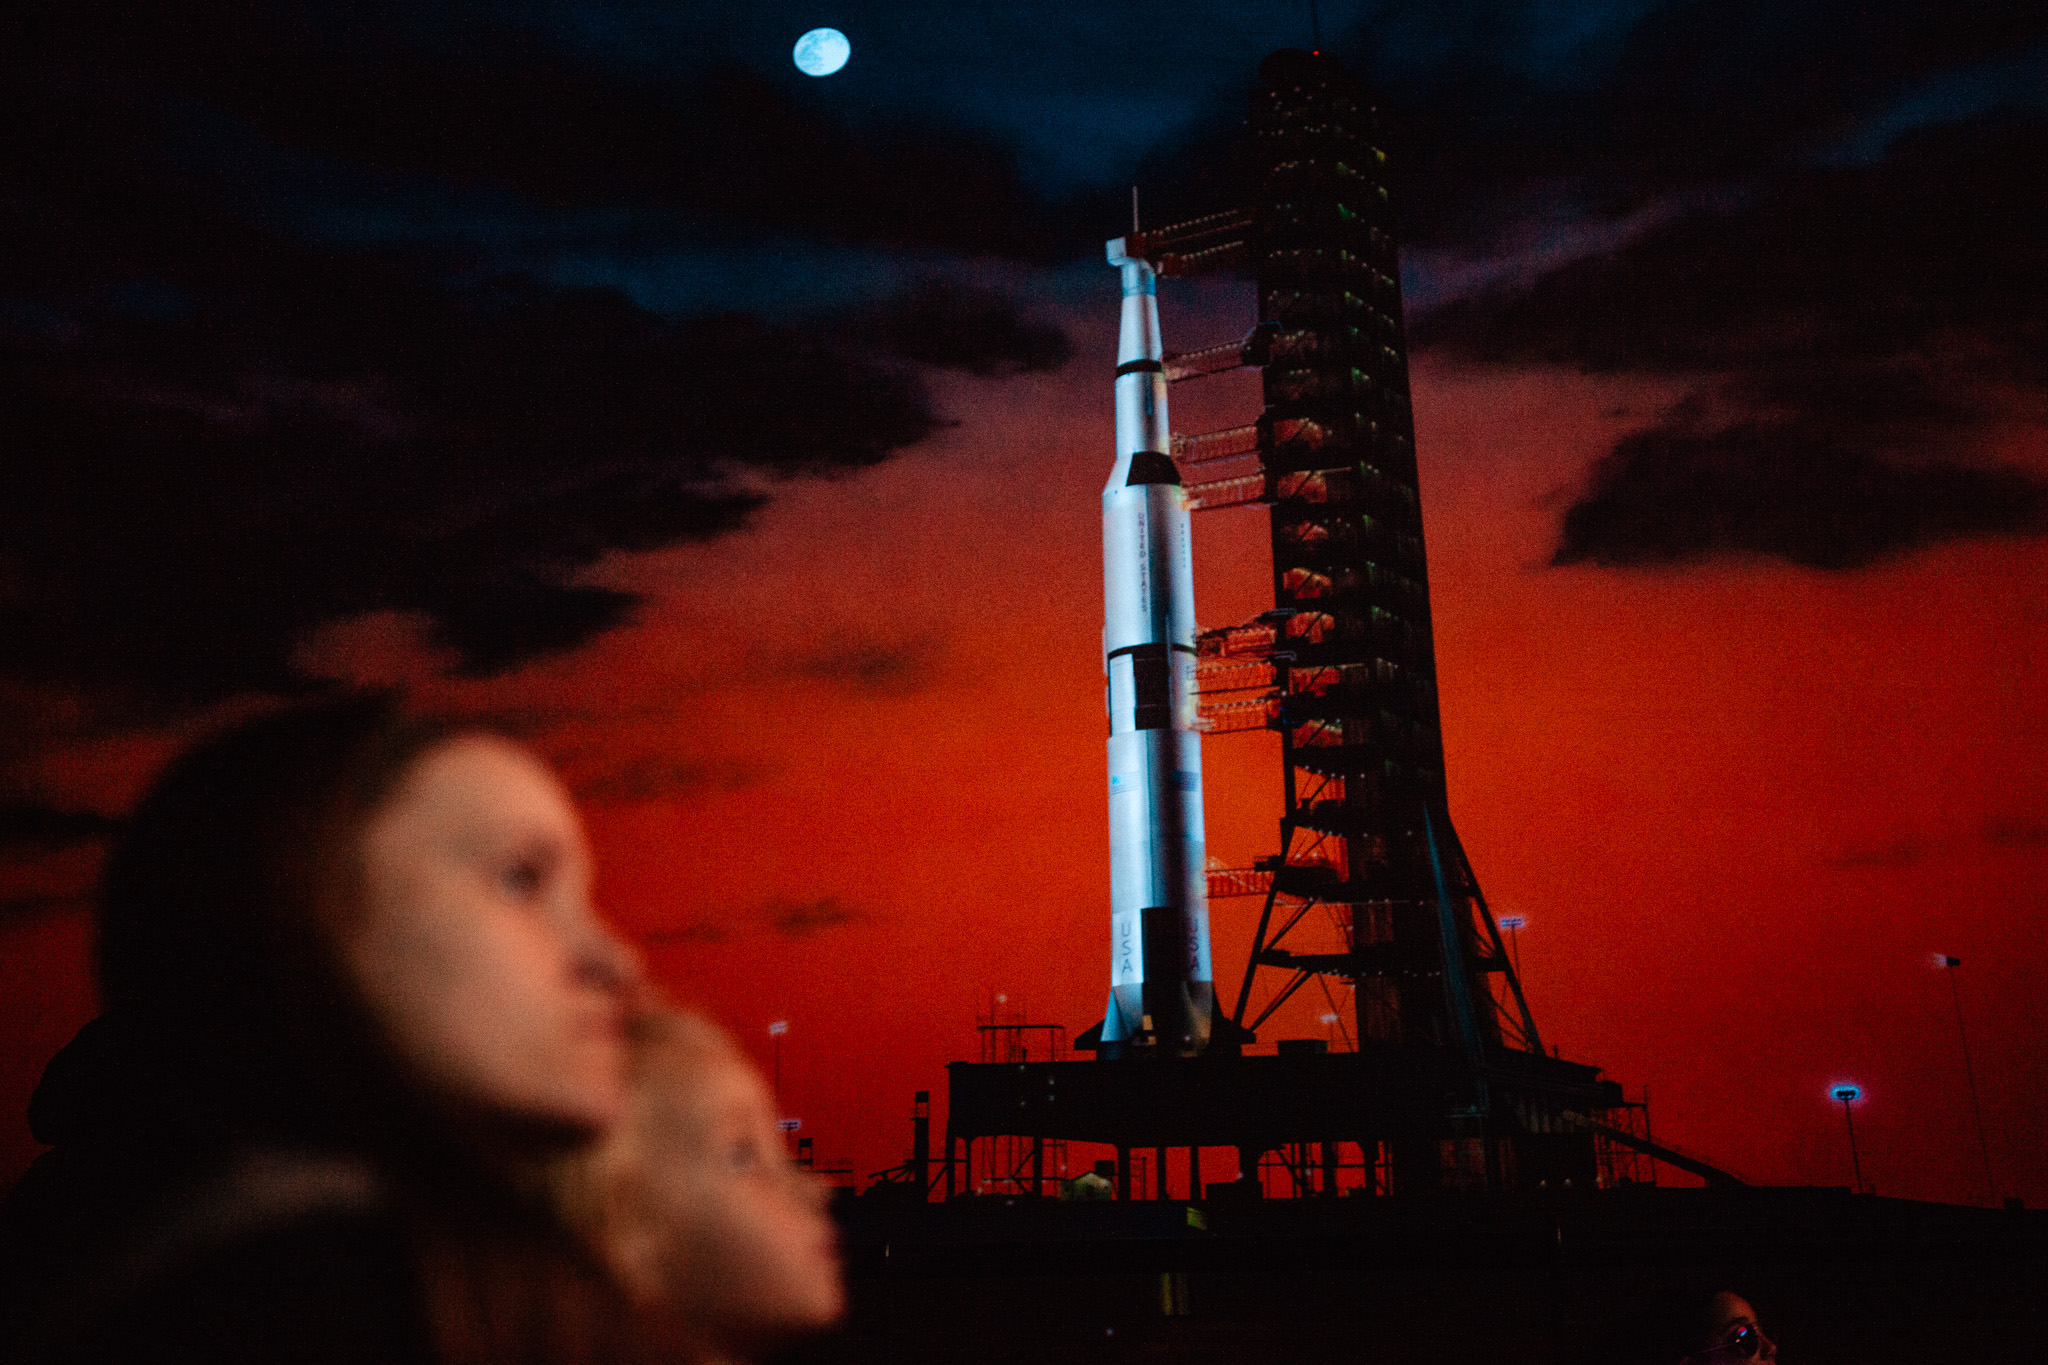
(522, 880)
(743, 1156)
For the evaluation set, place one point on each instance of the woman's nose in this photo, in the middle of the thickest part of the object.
(602, 958)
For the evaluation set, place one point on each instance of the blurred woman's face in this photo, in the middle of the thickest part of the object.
(477, 949)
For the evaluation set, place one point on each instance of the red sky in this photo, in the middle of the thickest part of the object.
(845, 770)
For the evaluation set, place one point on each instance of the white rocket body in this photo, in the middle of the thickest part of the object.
(1162, 994)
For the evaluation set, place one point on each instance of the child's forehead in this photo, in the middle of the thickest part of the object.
(696, 1062)
(711, 1087)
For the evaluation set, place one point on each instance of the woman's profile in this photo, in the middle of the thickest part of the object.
(355, 996)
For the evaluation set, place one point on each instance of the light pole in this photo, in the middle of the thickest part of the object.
(775, 1031)
(1513, 924)
(1848, 1095)
(1950, 965)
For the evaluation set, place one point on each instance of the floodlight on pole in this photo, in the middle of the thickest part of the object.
(1848, 1095)
(775, 1031)
(1513, 924)
(1950, 965)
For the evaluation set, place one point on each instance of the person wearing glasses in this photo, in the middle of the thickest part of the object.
(1732, 1333)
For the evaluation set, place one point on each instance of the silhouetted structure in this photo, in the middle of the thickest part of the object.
(1449, 1086)
(1553, 1278)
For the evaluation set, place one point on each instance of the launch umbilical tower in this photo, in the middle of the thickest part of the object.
(1448, 1084)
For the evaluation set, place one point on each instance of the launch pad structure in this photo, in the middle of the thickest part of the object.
(1517, 1223)
(1449, 1086)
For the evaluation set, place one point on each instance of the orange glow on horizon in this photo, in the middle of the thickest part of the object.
(846, 770)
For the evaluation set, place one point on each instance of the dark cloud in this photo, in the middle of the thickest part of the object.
(188, 496)
(1498, 111)
(479, 98)
(651, 777)
(800, 919)
(1827, 215)
(696, 932)
(1864, 325)
(229, 427)
(1896, 856)
(222, 436)
(229, 430)
(34, 905)
(887, 669)
(791, 919)
(1829, 210)
(963, 327)
(1930, 255)
(50, 856)
(1794, 490)
(2016, 832)
(44, 828)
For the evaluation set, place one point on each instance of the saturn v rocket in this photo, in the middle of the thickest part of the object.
(1162, 996)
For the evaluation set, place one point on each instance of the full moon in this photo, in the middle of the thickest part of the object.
(822, 51)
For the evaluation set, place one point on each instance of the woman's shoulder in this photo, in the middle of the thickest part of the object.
(270, 1255)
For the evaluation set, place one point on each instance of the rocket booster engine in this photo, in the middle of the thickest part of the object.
(1162, 996)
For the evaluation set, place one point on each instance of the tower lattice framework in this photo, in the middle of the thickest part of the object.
(1344, 667)
(1446, 1084)
(1367, 830)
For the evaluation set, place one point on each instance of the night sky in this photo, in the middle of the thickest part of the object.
(736, 437)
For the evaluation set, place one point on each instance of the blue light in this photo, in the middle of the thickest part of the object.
(1847, 1094)
(1512, 921)
(822, 51)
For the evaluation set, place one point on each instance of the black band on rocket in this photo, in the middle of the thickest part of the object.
(1151, 466)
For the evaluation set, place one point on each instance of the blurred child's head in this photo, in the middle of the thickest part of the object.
(694, 1202)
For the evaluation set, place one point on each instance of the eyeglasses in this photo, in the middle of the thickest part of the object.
(1746, 1342)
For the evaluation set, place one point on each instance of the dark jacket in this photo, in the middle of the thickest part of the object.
(146, 1241)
